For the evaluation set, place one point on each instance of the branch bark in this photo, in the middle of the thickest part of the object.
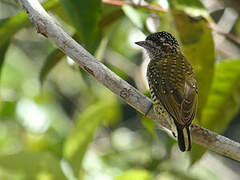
(51, 30)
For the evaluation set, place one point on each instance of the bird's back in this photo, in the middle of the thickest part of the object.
(171, 81)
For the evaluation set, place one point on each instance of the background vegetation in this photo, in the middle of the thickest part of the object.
(57, 122)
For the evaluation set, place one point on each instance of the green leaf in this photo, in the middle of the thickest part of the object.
(224, 100)
(137, 17)
(191, 7)
(33, 165)
(119, 40)
(12, 25)
(139, 174)
(198, 47)
(149, 124)
(20, 20)
(52, 59)
(84, 15)
(4, 47)
(82, 134)
(237, 28)
(3, 50)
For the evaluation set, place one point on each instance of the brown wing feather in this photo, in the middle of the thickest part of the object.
(189, 103)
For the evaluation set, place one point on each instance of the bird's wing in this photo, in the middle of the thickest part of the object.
(189, 103)
(178, 93)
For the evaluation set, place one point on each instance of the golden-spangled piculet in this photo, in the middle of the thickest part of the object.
(172, 85)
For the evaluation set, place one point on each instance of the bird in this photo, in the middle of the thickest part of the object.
(172, 85)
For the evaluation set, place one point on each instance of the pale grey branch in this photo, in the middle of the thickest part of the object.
(50, 29)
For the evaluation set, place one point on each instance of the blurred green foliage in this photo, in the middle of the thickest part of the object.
(224, 98)
(57, 122)
(85, 16)
(135, 174)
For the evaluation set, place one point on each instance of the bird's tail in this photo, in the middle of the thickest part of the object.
(184, 138)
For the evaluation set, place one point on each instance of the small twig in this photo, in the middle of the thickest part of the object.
(159, 9)
(121, 3)
(228, 35)
(47, 27)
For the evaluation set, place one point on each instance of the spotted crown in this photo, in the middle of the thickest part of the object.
(161, 38)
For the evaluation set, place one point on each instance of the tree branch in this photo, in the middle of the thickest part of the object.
(47, 27)
(228, 35)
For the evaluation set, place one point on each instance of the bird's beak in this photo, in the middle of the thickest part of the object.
(141, 43)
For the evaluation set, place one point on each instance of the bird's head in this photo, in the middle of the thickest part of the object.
(159, 43)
